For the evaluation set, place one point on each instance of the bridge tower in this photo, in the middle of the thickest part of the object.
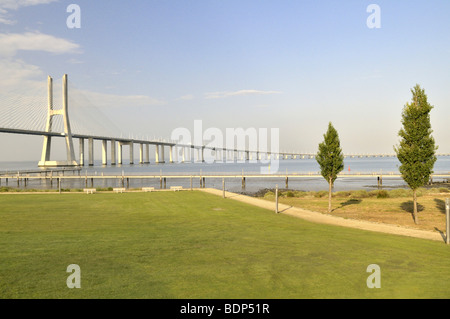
(45, 158)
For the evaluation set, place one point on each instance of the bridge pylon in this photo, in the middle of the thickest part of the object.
(45, 158)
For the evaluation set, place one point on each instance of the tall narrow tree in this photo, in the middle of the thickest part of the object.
(330, 159)
(417, 149)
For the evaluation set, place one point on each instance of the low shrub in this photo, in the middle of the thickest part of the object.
(400, 192)
(269, 194)
(300, 193)
(104, 189)
(383, 194)
(359, 194)
(372, 194)
(290, 194)
(420, 192)
(342, 194)
(320, 194)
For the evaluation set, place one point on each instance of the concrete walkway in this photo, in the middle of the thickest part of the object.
(329, 219)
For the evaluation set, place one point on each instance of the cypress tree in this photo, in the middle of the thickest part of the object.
(417, 149)
(330, 159)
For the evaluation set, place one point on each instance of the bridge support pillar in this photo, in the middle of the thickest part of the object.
(81, 147)
(91, 151)
(157, 153)
(104, 150)
(131, 153)
(147, 154)
(162, 159)
(113, 152)
(141, 153)
(119, 153)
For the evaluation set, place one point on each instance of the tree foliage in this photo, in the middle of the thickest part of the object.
(417, 149)
(330, 158)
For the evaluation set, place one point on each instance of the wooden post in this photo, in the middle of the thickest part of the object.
(223, 187)
(59, 185)
(447, 211)
(276, 200)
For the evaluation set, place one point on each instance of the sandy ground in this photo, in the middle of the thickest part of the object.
(328, 219)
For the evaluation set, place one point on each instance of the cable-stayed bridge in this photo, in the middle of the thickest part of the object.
(30, 114)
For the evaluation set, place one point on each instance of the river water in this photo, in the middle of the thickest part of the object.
(385, 166)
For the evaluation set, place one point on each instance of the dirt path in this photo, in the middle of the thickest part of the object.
(329, 219)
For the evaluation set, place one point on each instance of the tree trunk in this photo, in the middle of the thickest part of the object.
(416, 221)
(330, 183)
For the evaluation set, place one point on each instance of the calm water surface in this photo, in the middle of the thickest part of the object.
(352, 165)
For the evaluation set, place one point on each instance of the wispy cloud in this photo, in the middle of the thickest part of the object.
(75, 61)
(10, 5)
(105, 100)
(10, 43)
(222, 95)
(186, 97)
(20, 74)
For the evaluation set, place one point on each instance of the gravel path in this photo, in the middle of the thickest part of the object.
(329, 219)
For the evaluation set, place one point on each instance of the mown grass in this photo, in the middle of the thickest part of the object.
(196, 245)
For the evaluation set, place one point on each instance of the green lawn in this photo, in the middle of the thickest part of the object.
(196, 245)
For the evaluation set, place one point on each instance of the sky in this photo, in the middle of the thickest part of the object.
(151, 66)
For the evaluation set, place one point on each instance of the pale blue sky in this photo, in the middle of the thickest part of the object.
(153, 66)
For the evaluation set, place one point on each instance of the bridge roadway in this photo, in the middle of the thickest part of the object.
(159, 145)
